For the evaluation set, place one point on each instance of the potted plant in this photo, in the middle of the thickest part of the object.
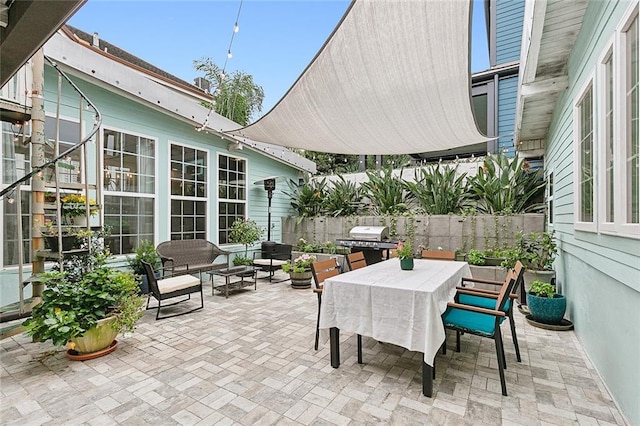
(545, 305)
(74, 209)
(405, 253)
(246, 232)
(537, 251)
(86, 311)
(71, 238)
(145, 252)
(299, 270)
(475, 257)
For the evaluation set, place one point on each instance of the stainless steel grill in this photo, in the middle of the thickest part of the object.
(370, 240)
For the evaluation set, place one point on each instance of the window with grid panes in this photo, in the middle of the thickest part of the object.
(188, 193)
(232, 193)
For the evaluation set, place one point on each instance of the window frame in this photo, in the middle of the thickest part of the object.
(601, 101)
(577, 143)
(220, 200)
(127, 194)
(623, 227)
(193, 198)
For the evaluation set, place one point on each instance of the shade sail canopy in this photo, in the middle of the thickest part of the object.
(393, 78)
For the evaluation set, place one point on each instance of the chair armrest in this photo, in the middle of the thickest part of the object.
(476, 309)
(477, 293)
(480, 280)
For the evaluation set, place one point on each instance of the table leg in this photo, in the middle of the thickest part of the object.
(427, 379)
(226, 286)
(334, 343)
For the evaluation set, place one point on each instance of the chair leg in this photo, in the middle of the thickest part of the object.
(513, 333)
(457, 341)
(500, 356)
(318, 323)
(444, 344)
(359, 338)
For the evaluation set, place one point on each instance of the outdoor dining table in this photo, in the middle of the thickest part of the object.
(402, 307)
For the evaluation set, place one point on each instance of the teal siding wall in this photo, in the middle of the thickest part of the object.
(507, 94)
(598, 273)
(127, 115)
(509, 18)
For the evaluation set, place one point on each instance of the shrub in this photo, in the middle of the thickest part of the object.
(542, 289)
(438, 191)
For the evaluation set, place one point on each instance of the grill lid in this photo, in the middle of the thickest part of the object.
(369, 233)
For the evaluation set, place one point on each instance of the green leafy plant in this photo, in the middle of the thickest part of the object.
(475, 257)
(542, 289)
(71, 306)
(405, 250)
(145, 252)
(74, 205)
(387, 193)
(506, 185)
(246, 232)
(299, 264)
(342, 198)
(239, 260)
(307, 199)
(437, 190)
(537, 250)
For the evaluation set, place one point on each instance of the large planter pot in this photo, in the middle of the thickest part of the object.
(301, 280)
(406, 264)
(96, 338)
(531, 275)
(69, 242)
(493, 261)
(547, 310)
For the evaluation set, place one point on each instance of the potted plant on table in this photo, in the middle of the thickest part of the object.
(545, 305)
(405, 253)
(246, 232)
(146, 252)
(299, 270)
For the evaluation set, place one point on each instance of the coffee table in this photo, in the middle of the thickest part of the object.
(246, 275)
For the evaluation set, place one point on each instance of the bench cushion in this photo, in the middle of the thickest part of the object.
(269, 262)
(167, 285)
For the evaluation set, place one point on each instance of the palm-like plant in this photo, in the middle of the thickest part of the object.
(437, 190)
(342, 198)
(386, 193)
(307, 199)
(506, 186)
(236, 95)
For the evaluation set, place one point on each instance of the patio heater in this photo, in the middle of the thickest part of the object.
(269, 184)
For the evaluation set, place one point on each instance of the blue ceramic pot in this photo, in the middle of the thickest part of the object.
(547, 310)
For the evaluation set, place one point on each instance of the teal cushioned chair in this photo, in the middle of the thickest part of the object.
(482, 322)
(487, 299)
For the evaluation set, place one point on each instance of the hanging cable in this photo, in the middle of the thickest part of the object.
(222, 74)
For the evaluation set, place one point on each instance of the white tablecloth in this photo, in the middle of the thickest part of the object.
(391, 305)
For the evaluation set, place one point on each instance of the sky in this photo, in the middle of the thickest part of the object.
(276, 40)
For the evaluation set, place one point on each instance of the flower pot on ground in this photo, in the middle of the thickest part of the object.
(299, 270)
(146, 252)
(545, 305)
(73, 305)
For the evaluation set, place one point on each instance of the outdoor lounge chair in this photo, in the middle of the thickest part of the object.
(169, 287)
(271, 257)
(486, 299)
(483, 322)
(356, 260)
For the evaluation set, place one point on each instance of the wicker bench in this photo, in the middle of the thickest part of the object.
(190, 256)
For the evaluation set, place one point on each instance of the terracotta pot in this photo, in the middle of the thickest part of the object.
(96, 338)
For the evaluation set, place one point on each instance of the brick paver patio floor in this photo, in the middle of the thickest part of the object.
(249, 359)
